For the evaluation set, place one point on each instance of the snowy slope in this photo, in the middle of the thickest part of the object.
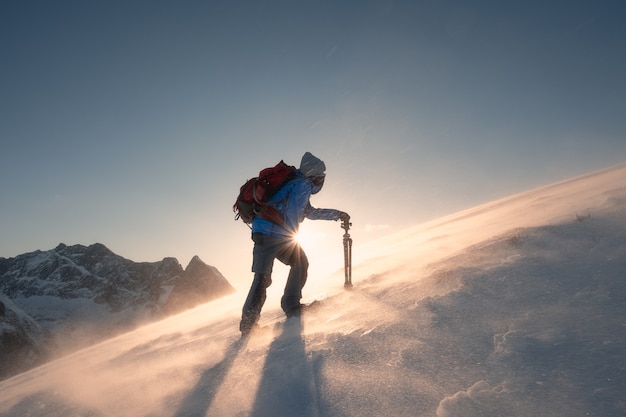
(514, 308)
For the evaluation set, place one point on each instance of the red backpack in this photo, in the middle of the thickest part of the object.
(253, 195)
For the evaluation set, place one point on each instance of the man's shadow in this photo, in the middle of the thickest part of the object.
(288, 384)
(199, 400)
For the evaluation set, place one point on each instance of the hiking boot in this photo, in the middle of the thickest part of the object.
(295, 312)
(247, 325)
(245, 332)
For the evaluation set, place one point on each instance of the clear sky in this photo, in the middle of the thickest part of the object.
(133, 123)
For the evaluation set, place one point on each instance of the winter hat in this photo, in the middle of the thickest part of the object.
(312, 166)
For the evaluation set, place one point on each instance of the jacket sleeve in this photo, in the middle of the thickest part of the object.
(313, 213)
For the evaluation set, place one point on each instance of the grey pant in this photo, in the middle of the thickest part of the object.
(266, 250)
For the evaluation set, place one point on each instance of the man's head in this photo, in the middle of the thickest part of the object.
(313, 168)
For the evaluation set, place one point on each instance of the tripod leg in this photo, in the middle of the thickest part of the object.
(347, 257)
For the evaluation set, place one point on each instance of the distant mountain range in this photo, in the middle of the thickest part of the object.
(56, 301)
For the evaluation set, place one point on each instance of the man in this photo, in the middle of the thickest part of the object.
(277, 241)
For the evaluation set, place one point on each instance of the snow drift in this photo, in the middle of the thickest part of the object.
(516, 308)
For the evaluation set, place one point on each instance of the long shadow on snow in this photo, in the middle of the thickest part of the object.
(199, 400)
(287, 387)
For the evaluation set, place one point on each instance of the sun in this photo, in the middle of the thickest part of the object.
(305, 236)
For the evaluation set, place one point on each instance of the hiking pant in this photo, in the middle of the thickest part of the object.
(266, 249)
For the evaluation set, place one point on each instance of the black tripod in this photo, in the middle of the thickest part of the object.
(347, 253)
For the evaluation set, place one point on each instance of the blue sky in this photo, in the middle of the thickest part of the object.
(133, 123)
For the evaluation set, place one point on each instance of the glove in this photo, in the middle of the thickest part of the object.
(344, 217)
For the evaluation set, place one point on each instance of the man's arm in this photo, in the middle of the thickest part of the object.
(313, 213)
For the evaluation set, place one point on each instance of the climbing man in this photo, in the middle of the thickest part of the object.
(276, 240)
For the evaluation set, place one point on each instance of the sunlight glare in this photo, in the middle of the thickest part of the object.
(303, 238)
(307, 237)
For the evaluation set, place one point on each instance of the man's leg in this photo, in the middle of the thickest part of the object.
(254, 302)
(295, 257)
(263, 256)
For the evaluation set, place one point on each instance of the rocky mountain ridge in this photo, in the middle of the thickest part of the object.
(55, 301)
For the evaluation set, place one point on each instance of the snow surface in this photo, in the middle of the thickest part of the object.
(513, 308)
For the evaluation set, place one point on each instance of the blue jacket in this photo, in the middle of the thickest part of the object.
(292, 200)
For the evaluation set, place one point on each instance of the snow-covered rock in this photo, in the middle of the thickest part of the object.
(22, 340)
(83, 294)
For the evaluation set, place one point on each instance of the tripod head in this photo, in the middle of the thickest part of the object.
(345, 225)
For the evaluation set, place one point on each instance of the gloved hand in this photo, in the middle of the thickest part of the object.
(344, 217)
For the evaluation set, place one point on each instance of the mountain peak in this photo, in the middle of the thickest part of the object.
(196, 261)
(198, 283)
